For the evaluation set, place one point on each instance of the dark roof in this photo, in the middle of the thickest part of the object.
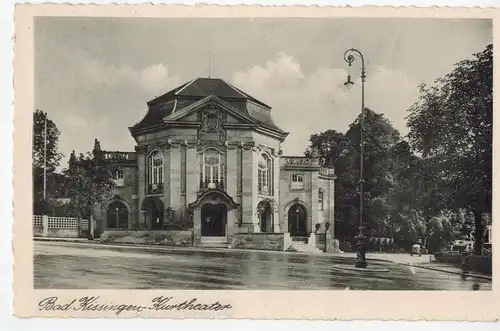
(200, 88)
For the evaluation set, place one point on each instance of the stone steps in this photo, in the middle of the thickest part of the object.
(215, 242)
(298, 246)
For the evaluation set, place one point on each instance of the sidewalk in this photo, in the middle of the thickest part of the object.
(166, 248)
(75, 240)
(447, 269)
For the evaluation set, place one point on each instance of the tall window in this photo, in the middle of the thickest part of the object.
(264, 175)
(155, 174)
(211, 170)
(321, 196)
(119, 178)
(297, 182)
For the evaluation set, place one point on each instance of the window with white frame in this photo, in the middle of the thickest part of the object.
(211, 170)
(155, 173)
(297, 181)
(119, 178)
(264, 175)
(321, 196)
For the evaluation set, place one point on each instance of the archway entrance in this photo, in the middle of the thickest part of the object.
(117, 216)
(152, 209)
(265, 216)
(297, 220)
(213, 220)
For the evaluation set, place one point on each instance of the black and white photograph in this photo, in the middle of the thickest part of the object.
(332, 153)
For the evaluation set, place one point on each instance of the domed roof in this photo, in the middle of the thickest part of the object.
(198, 89)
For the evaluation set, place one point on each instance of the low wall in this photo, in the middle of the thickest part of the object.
(63, 233)
(38, 231)
(474, 263)
(148, 237)
(332, 243)
(261, 241)
(59, 227)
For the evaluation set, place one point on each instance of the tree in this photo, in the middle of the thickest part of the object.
(52, 158)
(387, 160)
(330, 146)
(91, 180)
(451, 126)
(52, 154)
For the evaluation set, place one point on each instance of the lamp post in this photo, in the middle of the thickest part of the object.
(350, 56)
(117, 224)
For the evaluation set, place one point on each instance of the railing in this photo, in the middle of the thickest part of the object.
(214, 185)
(120, 156)
(37, 221)
(155, 188)
(299, 161)
(327, 171)
(59, 222)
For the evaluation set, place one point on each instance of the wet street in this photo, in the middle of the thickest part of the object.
(94, 266)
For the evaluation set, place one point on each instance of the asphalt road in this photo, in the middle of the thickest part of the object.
(84, 266)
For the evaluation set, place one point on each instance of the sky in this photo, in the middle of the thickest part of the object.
(93, 76)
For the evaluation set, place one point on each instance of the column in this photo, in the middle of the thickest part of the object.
(330, 206)
(249, 192)
(141, 186)
(197, 227)
(175, 182)
(192, 176)
(45, 224)
(276, 195)
(314, 200)
(231, 183)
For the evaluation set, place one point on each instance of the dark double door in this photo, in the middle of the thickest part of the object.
(297, 221)
(213, 220)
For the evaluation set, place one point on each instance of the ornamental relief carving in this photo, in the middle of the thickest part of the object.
(212, 121)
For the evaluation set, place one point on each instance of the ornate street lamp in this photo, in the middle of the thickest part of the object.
(349, 56)
(117, 222)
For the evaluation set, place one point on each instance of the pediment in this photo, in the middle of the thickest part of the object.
(197, 111)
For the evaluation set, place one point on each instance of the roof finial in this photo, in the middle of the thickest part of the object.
(208, 64)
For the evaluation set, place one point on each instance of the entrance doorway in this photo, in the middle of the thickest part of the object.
(213, 220)
(117, 216)
(297, 221)
(265, 216)
(152, 208)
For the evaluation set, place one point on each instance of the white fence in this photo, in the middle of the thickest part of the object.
(59, 222)
(37, 221)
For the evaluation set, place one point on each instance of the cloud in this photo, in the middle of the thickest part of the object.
(307, 103)
(153, 78)
(156, 78)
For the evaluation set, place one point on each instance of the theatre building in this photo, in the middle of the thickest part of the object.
(208, 170)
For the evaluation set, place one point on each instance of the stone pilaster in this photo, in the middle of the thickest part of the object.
(175, 183)
(314, 201)
(249, 194)
(192, 175)
(276, 195)
(141, 187)
(330, 206)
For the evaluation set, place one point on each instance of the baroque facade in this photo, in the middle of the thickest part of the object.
(208, 159)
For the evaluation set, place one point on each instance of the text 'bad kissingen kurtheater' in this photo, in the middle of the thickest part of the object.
(208, 170)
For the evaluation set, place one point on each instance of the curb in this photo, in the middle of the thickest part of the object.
(448, 271)
(166, 248)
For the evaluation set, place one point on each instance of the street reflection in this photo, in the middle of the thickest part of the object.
(120, 268)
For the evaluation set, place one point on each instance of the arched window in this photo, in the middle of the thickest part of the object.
(264, 175)
(155, 173)
(211, 170)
